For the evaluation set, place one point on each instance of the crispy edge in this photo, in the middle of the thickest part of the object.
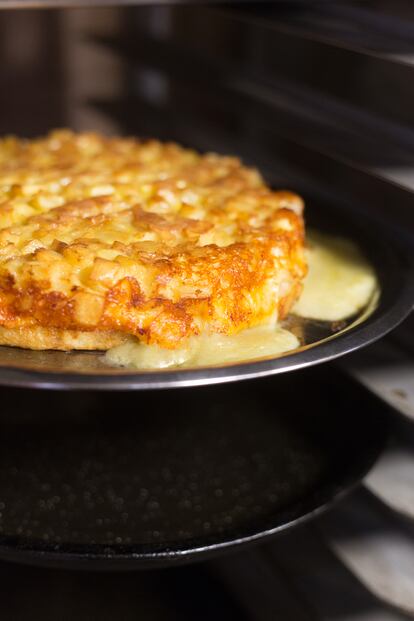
(42, 338)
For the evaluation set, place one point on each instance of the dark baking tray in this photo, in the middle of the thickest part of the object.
(126, 480)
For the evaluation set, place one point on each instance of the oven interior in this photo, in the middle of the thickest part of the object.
(319, 96)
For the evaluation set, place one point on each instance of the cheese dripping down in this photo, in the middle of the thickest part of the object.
(340, 282)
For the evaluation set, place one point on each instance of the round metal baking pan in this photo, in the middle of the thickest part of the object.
(162, 483)
(391, 258)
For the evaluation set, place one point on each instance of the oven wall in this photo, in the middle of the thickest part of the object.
(31, 78)
(91, 70)
(319, 95)
(52, 68)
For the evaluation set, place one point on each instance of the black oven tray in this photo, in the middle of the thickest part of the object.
(126, 481)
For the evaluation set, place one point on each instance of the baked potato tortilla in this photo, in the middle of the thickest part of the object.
(103, 238)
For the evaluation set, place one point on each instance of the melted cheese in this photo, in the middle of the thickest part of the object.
(340, 282)
(259, 342)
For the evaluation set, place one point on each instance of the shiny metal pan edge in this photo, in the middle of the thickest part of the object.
(322, 342)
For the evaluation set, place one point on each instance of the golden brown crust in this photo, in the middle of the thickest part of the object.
(101, 238)
(38, 337)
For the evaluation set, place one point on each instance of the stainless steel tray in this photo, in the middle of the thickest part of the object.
(320, 341)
